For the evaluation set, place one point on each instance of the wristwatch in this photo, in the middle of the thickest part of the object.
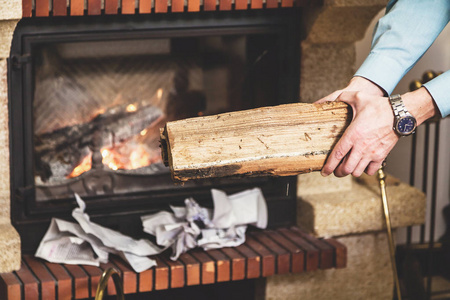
(404, 123)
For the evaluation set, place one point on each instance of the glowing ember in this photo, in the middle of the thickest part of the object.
(84, 166)
(159, 93)
(131, 108)
(124, 157)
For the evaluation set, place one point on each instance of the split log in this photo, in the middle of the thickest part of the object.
(281, 140)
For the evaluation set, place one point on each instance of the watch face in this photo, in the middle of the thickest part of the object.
(406, 125)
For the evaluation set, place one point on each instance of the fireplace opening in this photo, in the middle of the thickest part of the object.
(88, 97)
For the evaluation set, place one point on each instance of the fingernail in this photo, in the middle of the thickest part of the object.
(323, 174)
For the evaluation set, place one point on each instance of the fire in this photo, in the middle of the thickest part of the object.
(131, 108)
(159, 93)
(84, 166)
(122, 157)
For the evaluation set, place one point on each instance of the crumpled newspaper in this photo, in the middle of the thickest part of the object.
(88, 243)
(194, 226)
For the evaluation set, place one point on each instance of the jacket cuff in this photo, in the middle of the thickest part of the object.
(382, 70)
(439, 89)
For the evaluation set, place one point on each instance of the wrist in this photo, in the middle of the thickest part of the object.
(362, 84)
(420, 104)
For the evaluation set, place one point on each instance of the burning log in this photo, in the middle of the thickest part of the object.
(278, 141)
(60, 150)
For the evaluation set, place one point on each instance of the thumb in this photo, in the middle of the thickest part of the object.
(331, 97)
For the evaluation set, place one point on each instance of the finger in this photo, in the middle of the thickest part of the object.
(349, 163)
(337, 154)
(373, 167)
(361, 167)
(330, 97)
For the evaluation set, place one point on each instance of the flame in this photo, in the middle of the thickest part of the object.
(84, 166)
(113, 158)
(131, 108)
(159, 93)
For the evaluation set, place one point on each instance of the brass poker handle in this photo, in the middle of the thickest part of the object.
(384, 200)
(103, 283)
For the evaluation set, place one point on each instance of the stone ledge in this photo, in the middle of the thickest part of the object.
(10, 9)
(9, 247)
(4, 144)
(314, 183)
(367, 276)
(360, 210)
(6, 34)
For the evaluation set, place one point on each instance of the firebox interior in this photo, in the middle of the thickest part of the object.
(88, 96)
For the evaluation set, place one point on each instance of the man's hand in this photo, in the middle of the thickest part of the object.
(370, 136)
(368, 139)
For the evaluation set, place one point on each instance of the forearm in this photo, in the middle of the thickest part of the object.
(420, 104)
(401, 37)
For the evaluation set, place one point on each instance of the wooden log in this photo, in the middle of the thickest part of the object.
(281, 140)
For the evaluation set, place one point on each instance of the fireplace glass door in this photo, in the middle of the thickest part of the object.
(88, 97)
(99, 105)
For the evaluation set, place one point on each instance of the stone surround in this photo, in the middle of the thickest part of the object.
(327, 63)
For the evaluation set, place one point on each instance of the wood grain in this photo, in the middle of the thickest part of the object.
(281, 140)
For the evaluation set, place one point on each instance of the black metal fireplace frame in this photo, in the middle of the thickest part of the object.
(121, 211)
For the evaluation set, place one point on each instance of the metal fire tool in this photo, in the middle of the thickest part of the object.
(103, 283)
(382, 180)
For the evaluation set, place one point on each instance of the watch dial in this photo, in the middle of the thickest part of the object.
(406, 125)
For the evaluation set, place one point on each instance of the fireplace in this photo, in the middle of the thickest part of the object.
(88, 96)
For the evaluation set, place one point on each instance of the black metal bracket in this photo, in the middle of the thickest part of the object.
(18, 60)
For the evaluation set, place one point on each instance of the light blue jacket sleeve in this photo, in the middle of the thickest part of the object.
(400, 39)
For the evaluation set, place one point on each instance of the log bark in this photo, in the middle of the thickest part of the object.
(281, 140)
